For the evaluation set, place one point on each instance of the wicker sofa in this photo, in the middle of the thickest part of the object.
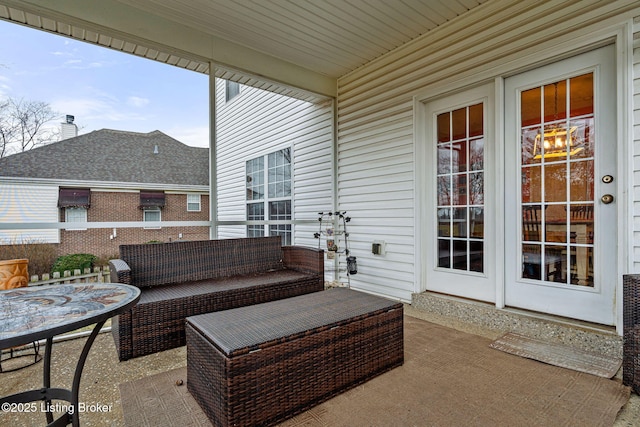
(183, 279)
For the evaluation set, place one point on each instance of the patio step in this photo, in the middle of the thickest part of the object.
(487, 320)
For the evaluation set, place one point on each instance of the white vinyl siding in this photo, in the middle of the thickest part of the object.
(259, 123)
(376, 117)
(21, 204)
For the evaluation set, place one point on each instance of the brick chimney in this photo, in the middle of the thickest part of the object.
(68, 129)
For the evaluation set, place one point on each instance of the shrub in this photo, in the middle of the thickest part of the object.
(72, 262)
(40, 255)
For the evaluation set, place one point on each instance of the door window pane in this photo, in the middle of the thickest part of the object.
(476, 188)
(460, 254)
(444, 159)
(530, 107)
(460, 189)
(476, 154)
(459, 124)
(459, 156)
(581, 98)
(555, 182)
(476, 223)
(557, 170)
(581, 180)
(476, 120)
(583, 137)
(531, 223)
(530, 145)
(444, 130)
(555, 101)
(531, 261)
(531, 185)
(444, 253)
(444, 222)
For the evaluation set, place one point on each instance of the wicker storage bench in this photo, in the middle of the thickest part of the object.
(262, 364)
(183, 279)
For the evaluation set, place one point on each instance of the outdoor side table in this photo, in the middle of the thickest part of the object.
(264, 363)
(42, 312)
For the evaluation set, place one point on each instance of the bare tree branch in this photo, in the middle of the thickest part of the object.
(23, 125)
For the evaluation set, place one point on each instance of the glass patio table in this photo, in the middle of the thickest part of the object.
(36, 313)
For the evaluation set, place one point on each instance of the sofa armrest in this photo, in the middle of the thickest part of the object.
(120, 272)
(302, 258)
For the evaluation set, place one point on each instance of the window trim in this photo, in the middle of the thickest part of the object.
(266, 200)
(229, 94)
(192, 202)
(75, 209)
(144, 217)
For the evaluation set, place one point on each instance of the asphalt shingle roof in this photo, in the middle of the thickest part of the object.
(113, 156)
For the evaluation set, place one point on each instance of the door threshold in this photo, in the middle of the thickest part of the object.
(485, 319)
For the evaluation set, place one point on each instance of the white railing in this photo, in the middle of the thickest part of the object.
(99, 274)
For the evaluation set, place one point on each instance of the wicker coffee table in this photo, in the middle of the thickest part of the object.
(262, 364)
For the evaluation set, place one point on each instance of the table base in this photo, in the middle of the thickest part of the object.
(48, 393)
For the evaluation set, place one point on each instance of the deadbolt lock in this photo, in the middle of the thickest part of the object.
(606, 199)
(607, 179)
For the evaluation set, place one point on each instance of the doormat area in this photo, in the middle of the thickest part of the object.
(449, 378)
(560, 355)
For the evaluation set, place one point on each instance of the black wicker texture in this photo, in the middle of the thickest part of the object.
(277, 379)
(157, 322)
(631, 331)
(168, 263)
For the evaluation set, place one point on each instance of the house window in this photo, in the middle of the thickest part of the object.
(151, 202)
(269, 194)
(75, 202)
(152, 215)
(75, 215)
(193, 203)
(232, 90)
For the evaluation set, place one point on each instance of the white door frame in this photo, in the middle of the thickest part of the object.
(479, 286)
(587, 303)
(549, 51)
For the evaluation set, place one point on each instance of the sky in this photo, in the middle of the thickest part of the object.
(101, 87)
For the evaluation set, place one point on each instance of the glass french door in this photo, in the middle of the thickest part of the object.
(560, 150)
(459, 209)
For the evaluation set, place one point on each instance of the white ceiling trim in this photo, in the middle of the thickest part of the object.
(293, 47)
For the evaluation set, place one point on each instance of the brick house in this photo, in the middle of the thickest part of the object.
(116, 187)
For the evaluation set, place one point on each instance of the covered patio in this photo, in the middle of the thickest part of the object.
(377, 79)
(458, 379)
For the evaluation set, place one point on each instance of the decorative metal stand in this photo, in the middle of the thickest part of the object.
(333, 226)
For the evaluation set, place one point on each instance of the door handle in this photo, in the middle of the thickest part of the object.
(606, 199)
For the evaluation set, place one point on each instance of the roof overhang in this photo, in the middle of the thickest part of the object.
(119, 26)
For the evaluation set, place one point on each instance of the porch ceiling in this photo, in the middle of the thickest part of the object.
(279, 45)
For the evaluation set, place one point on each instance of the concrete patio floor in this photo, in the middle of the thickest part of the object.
(103, 373)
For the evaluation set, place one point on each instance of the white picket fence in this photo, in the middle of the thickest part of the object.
(99, 275)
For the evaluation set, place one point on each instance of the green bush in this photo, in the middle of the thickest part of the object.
(40, 255)
(72, 262)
